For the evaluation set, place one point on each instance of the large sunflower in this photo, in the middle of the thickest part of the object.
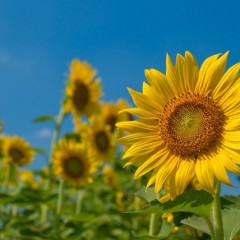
(17, 151)
(83, 90)
(188, 126)
(71, 162)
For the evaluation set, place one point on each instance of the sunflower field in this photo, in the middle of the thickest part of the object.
(149, 171)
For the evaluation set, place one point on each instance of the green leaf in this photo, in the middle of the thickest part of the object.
(40, 151)
(166, 229)
(5, 198)
(83, 217)
(229, 201)
(72, 136)
(197, 202)
(147, 194)
(231, 222)
(198, 223)
(44, 118)
(29, 196)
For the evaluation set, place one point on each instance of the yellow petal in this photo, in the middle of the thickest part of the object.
(204, 173)
(169, 168)
(201, 83)
(154, 161)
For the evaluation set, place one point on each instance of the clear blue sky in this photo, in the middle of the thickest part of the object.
(38, 39)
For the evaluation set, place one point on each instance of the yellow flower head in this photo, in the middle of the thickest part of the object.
(17, 151)
(83, 90)
(188, 124)
(71, 162)
(102, 146)
(112, 113)
(109, 176)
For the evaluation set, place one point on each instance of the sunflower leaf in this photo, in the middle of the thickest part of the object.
(72, 136)
(197, 202)
(40, 151)
(231, 223)
(147, 194)
(229, 201)
(198, 223)
(44, 118)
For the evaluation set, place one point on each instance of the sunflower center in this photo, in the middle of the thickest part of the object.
(16, 155)
(102, 141)
(191, 124)
(81, 96)
(73, 167)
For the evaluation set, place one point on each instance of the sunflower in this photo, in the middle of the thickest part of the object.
(113, 113)
(188, 124)
(83, 90)
(110, 177)
(101, 141)
(17, 151)
(71, 162)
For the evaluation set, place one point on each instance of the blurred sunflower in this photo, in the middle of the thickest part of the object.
(83, 91)
(17, 151)
(112, 113)
(110, 177)
(188, 124)
(71, 162)
(101, 142)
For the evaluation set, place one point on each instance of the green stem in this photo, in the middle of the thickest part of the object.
(153, 225)
(9, 173)
(80, 196)
(58, 124)
(216, 213)
(43, 213)
(60, 197)
(210, 226)
(56, 133)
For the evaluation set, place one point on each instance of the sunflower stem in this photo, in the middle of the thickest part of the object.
(216, 213)
(9, 173)
(60, 197)
(210, 228)
(153, 224)
(80, 196)
(58, 124)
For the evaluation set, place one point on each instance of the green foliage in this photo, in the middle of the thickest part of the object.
(147, 194)
(198, 223)
(44, 118)
(72, 136)
(197, 202)
(231, 222)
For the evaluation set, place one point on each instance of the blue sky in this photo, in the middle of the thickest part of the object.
(38, 40)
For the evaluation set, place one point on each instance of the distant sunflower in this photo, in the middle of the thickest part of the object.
(17, 151)
(71, 162)
(110, 177)
(101, 142)
(83, 90)
(112, 113)
(188, 124)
